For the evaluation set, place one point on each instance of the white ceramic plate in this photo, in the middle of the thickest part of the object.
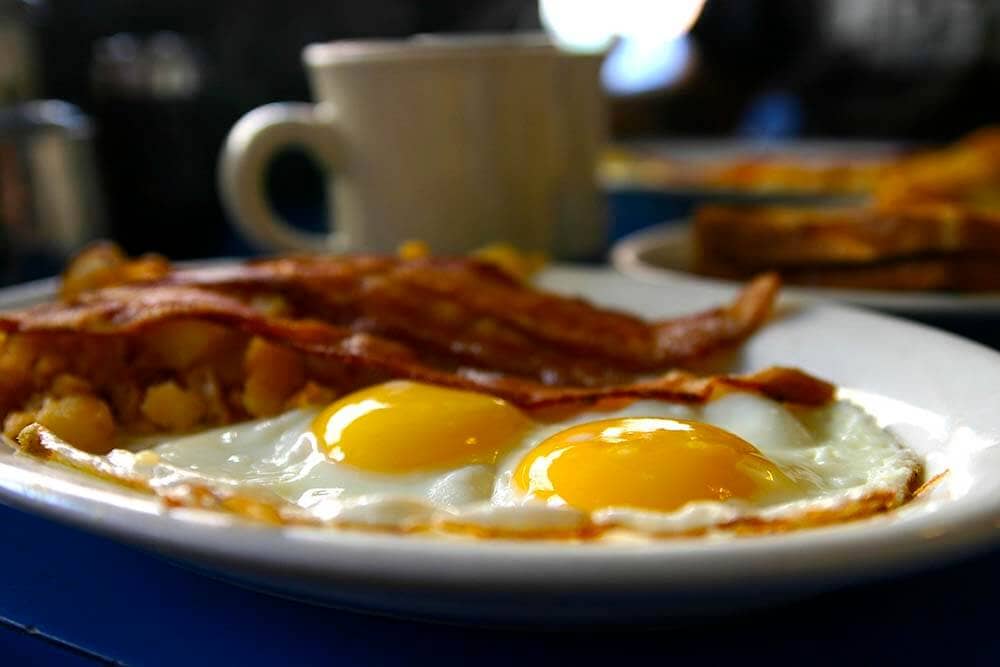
(665, 254)
(938, 393)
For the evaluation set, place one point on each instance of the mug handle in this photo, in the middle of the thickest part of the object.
(252, 143)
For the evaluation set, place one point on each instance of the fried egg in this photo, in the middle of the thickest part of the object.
(405, 456)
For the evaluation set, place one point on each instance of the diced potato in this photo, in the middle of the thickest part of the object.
(147, 457)
(66, 384)
(274, 373)
(170, 407)
(145, 268)
(17, 357)
(182, 343)
(83, 421)
(518, 264)
(413, 250)
(311, 394)
(34, 402)
(49, 365)
(104, 264)
(97, 266)
(15, 423)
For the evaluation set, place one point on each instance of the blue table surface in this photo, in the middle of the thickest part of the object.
(70, 597)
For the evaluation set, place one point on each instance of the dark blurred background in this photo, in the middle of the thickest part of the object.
(163, 80)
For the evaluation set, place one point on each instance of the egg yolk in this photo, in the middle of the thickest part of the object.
(648, 463)
(406, 426)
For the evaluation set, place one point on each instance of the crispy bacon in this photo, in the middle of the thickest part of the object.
(460, 311)
(131, 309)
(536, 319)
(481, 307)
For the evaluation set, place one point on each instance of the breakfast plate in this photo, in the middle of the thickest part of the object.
(935, 394)
(665, 254)
(650, 181)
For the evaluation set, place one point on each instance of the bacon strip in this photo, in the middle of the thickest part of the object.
(464, 312)
(131, 309)
(539, 320)
(468, 290)
(363, 294)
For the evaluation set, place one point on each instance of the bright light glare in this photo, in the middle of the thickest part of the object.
(583, 25)
(592, 24)
(635, 66)
(651, 51)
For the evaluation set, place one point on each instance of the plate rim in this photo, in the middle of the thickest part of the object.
(627, 255)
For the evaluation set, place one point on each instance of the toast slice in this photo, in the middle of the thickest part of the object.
(928, 246)
(762, 238)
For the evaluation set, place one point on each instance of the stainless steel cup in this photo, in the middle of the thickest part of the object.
(50, 204)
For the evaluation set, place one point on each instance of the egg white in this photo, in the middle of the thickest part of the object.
(837, 452)
(281, 457)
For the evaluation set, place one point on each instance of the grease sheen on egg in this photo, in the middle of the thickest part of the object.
(648, 463)
(405, 426)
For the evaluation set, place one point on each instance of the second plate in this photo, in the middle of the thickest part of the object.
(665, 253)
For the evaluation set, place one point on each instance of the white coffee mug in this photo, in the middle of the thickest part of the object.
(456, 141)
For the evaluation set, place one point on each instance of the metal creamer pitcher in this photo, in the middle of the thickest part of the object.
(50, 204)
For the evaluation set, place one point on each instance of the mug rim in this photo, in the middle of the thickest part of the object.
(429, 46)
